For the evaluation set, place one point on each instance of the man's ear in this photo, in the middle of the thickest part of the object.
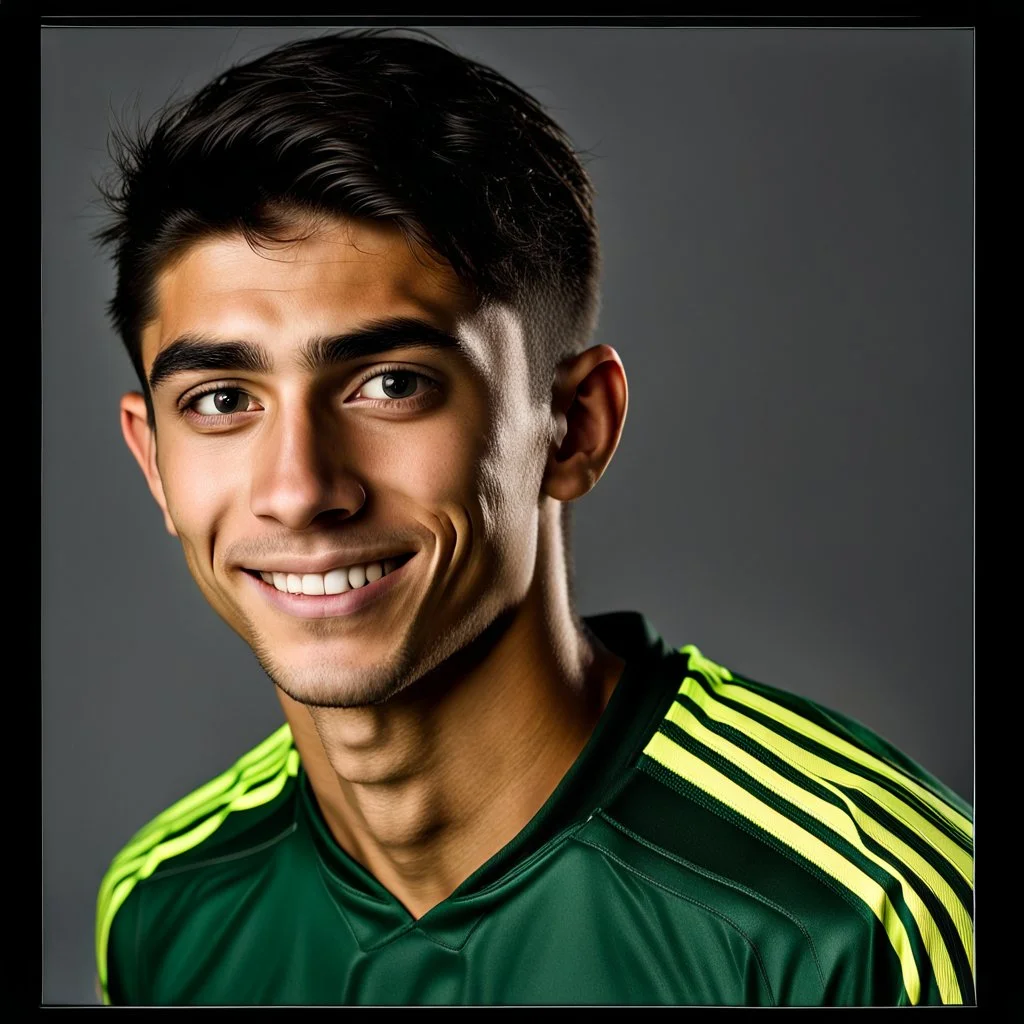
(590, 397)
(141, 440)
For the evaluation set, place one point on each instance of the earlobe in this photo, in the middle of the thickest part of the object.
(141, 440)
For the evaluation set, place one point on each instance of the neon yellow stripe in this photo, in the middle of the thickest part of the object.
(681, 762)
(228, 783)
(128, 860)
(270, 749)
(840, 823)
(207, 797)
(717, 674)
(125, 864)
(125, 861)
(192, 805)
(114, 892)
(200, 803)
(145, 867)
(825, 772)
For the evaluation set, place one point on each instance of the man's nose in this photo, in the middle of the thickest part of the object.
(301, 469)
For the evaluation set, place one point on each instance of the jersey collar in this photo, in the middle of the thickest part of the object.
(647, 685)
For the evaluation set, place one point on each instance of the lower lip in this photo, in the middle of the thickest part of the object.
(327, 606)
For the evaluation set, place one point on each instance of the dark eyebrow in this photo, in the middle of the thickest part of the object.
(198, 352)
(201, 352)
(377, 336)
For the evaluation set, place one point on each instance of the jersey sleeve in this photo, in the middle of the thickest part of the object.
(941, 909)
(848, 808)
(882, 748)
(187, 831)
(117, 952)
(864, 969)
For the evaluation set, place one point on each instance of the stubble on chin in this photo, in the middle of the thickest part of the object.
(323, 683)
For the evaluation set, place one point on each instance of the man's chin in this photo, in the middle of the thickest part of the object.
(328, 678)
(335, 690)
(325, 675)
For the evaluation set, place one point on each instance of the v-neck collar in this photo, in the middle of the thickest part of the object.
(648, 681)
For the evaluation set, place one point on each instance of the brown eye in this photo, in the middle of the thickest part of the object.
(394, 384)
(222, 402)
(398, 385)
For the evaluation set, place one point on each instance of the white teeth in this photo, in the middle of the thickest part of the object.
(336, 581)
(312, 584)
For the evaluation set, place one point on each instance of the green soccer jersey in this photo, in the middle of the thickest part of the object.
(717, 841)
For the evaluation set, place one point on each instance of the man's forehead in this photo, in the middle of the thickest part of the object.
(342, 277)
(339, 276)
(312, 252)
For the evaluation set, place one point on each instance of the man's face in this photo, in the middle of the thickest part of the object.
(320, 460)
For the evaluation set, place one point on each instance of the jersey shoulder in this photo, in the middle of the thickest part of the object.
(232, 814)
(814, 816)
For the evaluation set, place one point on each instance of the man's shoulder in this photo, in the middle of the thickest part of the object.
(721, 721)
(806, 820)
(237, 813)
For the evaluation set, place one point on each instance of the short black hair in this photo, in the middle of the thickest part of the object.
(382, 124)
(375, 124)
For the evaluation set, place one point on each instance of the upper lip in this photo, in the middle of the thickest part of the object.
(325, 563)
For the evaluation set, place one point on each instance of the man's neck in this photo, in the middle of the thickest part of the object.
(425, 789)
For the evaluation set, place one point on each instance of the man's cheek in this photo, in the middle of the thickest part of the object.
(196, 514)
(202, 509)
(431, 473)
(223, 600)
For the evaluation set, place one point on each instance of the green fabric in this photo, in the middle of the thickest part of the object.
(630, 886)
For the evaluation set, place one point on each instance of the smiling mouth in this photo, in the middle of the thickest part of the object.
(336, 581)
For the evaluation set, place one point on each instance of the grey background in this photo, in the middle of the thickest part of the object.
(787, 224)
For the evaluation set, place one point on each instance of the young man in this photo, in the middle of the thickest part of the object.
(357, 278)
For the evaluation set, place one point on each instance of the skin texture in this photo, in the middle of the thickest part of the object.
(435, 721)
